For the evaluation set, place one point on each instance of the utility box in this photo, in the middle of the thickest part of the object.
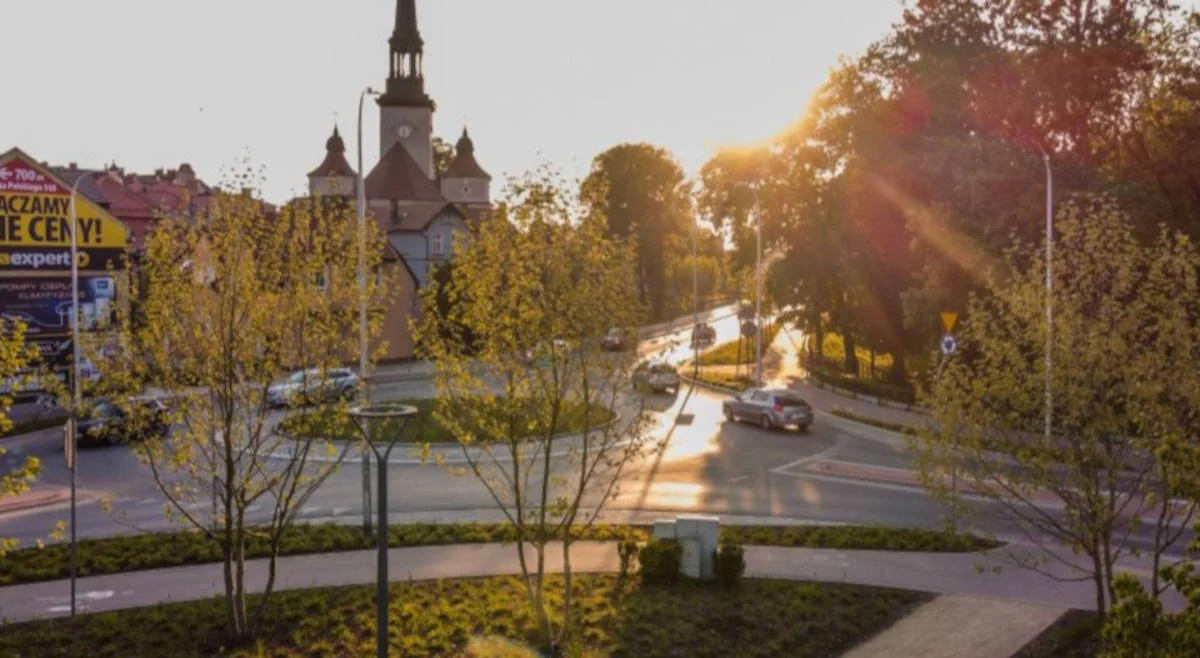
(698, 535)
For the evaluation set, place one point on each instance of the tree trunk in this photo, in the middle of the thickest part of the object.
(1098, 578)
(872, 362)
(564, 632)
(231, 618)
(850, 360)
(239, 556)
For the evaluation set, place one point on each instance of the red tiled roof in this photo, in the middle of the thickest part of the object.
(398, 177)
(334, 164)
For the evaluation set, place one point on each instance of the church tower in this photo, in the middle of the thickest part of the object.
(406, 111)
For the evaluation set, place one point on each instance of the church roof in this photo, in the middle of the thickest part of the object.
(334, 163)
(398, 177)
(406, 36)
(417, 217)
(464, 164)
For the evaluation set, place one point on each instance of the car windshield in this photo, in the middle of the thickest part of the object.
(106, 409)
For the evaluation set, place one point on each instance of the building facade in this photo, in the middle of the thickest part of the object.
(422, 211)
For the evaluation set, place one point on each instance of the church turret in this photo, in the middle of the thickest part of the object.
(406, 111)
(333, 177)
(464, 181)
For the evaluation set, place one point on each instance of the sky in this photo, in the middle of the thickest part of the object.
(155, 83)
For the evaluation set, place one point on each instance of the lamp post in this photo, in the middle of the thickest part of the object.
(76, 390)
(757, 288)
(1049, 283)
(363, 364)
(695, 311)
(385, 414)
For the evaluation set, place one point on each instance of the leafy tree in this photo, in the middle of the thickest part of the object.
(570, 284)
(1139, 625)
(15, 356)
(1126, 397)
(443, 155)
(239, 295)
(643, 192)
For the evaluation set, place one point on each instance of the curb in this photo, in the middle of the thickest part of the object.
(32, 499)
(712, 387)
(851, 395)
(449, 448)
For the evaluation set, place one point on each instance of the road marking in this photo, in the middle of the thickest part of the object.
(806, 475)
(804, 460)
(338, 511)
(740, 478)
(147, 501)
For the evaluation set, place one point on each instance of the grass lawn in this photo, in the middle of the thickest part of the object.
(726, 354)
(899, 428)
(154, 551)
(1075, 635)
(760, 619)
(728, 380)
(833, 348)
(424, 428)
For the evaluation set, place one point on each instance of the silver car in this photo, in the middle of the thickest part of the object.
(770, 408)
(313, 386)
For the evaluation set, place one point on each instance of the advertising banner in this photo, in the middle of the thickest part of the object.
(44, 303)
(35, 223)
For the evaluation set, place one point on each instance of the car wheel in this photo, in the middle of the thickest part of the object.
(766, 423)
(729, 415)
(804, 428)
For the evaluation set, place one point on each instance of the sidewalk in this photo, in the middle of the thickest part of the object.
(952, 626)
(938, 573)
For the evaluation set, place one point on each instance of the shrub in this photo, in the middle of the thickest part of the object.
(627, 552)
(729, 563)
(660, 560)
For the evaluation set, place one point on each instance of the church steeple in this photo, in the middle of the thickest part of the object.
(406, 73)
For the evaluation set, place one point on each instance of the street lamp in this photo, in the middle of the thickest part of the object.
(1049, 281)
(365, 391)
(76, 394)
(758, 287)
(695, 310)
(390, 416)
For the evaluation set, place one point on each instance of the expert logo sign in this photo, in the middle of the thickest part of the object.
(36, 260)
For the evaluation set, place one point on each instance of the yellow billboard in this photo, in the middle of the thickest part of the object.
(35, 212)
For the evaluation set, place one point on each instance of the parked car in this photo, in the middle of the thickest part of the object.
(311, 386)
(107, 423)
(703, 335)
(770, 408)
(656, 377)
(617, 340)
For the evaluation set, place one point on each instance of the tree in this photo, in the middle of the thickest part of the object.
(1139, 626)
(15, 356)
(443, 155)
(537, 287)
(1126, 397)
(643, 192)
(239, 295)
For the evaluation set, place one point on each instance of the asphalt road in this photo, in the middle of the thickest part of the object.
(707, 465)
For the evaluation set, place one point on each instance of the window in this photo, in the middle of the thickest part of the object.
(466, 187)
(323, 279)
(436, 245)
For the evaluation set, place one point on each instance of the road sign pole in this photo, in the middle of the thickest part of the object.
(78, 396)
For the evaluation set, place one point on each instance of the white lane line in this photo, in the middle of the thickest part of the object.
(740, 478)
(805, 475)
(148, 501)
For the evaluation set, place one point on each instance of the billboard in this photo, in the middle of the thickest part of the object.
(35, 222)
(44, 303)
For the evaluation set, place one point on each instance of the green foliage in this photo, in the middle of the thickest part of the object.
(872, 538)
(725, 380)
(1124, 387)
(762, 619)
(824, 376)
(627, 553)
(644, 193)
(1138, 625)
(1075, 635)
(729, 564)
(660, 560)
(726, 354)
(156, 551)
(336, 425)
(899, 428)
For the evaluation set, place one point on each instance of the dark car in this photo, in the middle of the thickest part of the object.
(108, 424)
(770, 408)
(618, 340)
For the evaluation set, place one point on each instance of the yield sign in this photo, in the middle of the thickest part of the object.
(949, 319)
